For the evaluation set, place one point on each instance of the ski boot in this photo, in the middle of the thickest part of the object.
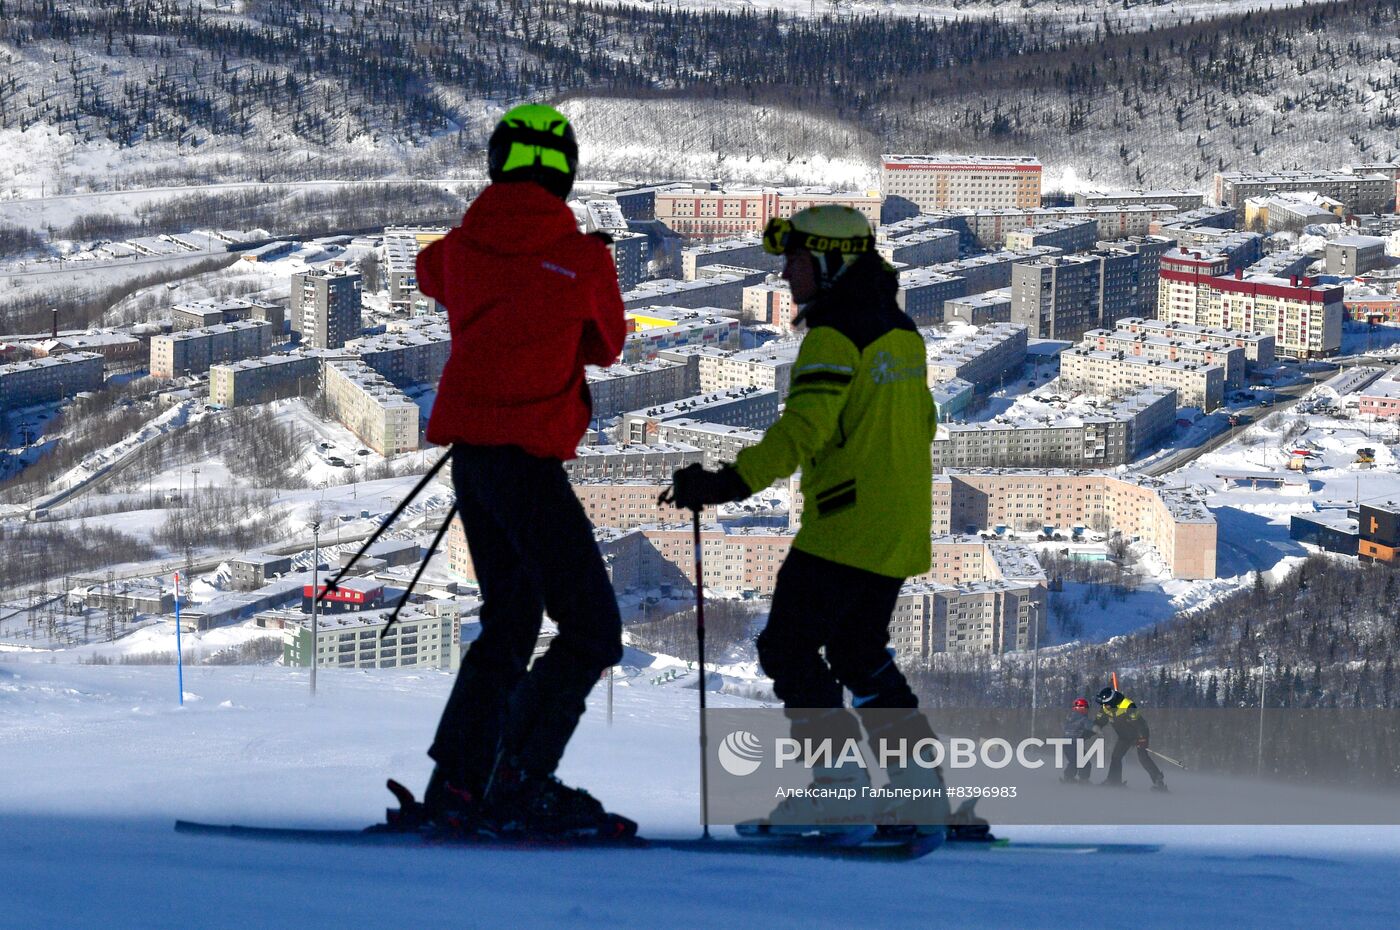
(837, 821)
(521, 804)
(916, 818)
(1160, 786)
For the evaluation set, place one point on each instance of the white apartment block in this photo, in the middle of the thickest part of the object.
(256, 380)
(1067, 235)
(769, 303)
(991, 227)
(744, 251)
(975, 617)
(983, 358)
(655, 461)
(193, 351)
(371, 407)
(718, 443)
(352, 640)
(1172, 520)
(723, 214)
(1181, 199)
(1117, 372)
(412, 352)
(1167, 346)
(749, 407)
(953, 182)
(1258, 348)
(43, 380)
(768, 367)
(629, 503)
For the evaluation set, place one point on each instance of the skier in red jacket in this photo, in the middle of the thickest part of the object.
(530, 301)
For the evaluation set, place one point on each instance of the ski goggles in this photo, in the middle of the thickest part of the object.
(780, 235)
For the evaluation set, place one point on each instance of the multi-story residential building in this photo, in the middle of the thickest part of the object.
(769, 303)
(890, 232)
(371, 407)
(401, 247)
(418, 639)
(625, 387)
(1258, 348)
(723, 290)
(721, 214)
(977, 616)
(768, 366)
(923, 291)
(655, 461)
(718, 443)
(1173, 520)
(1382, 398)
(251, 572)
(1366, 193)
(983, 359)
(989, 228)
(1114, 373)
(992, 270)
(742, 251)
(979, 309)
(193, 351)
(325, 308)
(1181, 199)
(1283, 264)
(258, 380)
(656, 329)
(631, 252)
(1354, 255)
(1284, 213)
(117, 349)
(1172, 347)
(748, 407)
(1241, 249)
(628, 503)
(954, 182)
(43, 380)
(1119, 435)
(1057, 298)
(1066, 235)
(921, 247)
(211, 311)
(1149, 250)
(413, 352)
(952, 397)
(1304, 318)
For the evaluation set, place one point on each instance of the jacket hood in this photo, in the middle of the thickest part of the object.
(517, 218)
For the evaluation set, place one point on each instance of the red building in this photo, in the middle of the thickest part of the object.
(351, 594)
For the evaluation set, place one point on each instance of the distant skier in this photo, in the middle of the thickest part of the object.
(530, 301)
(1130, 728)
(859, 421)
(1079, 728)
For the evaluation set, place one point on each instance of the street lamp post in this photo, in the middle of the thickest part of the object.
(315, 591)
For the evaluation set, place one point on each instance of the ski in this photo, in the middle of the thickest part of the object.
(796, 846)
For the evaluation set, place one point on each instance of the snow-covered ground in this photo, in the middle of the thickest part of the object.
(100, 761)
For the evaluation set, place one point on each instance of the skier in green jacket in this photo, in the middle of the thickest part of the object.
(859, 422)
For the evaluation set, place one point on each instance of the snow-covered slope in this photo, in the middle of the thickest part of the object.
(100, 761)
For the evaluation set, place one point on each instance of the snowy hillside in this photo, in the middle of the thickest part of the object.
(100, 762)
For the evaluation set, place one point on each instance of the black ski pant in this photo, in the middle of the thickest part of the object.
(1115, 761)
(533, 551)
(829, 628)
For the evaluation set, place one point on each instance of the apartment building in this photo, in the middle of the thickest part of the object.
(1258, 347)
(1181, 199)
(325, 308)
(741, 251)
(655, 461)
(1353, 255)
(1167, 345)
(1382, 398)
(978, 616)
(44, 380)
(1117, 372)
(117, 349)
(400, 267)
(976, 182)
(193, 351)
(625, 387)
(197, 314)
(258, 380)
(1360, 193)
(979, 309)
(418, 639)
(371, 407)
(1173, 520)
(1120, 434)
(768, 367)
(414, 353)
(628, 503)
(769, 303)
(719, 286)
(1057, 298)
(749, 407)
(991, 270)
(984, 359)
(655, 329)
(1066, 235)
(718, 443)
(724, 214)
(989, 228)
(926, 246)
(923, 292)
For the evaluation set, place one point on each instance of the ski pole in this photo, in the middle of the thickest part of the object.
(384, 526)
(432, 550)
(1180, 765)
(700, 648)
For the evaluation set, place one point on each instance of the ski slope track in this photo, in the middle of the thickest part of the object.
(100, 762)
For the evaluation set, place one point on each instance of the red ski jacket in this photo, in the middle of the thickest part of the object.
(530, 301)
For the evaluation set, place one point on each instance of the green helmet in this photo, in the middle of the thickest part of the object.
(534, 142)
(836, 236)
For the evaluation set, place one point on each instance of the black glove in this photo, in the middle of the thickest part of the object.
(692, 487)
(602, 237)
